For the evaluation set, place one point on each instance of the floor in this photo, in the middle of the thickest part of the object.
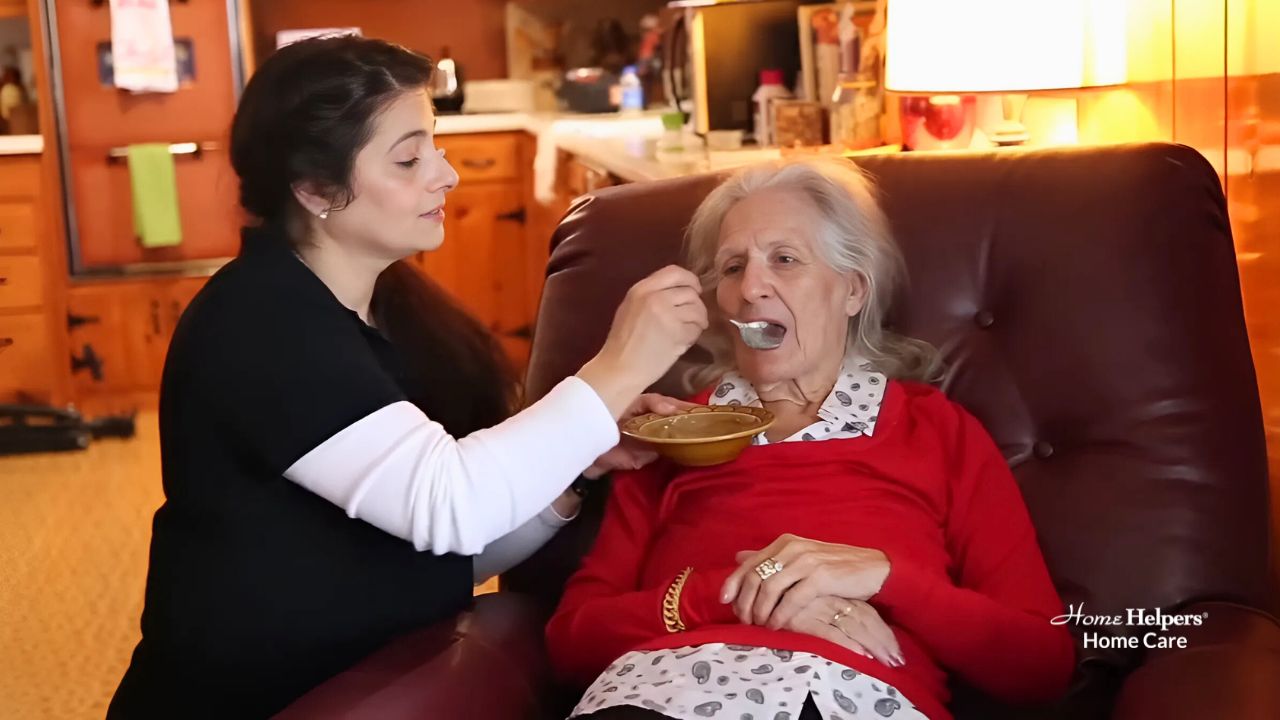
(74, 533)
(74, 530)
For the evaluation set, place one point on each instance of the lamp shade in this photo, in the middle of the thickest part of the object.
(965, 46)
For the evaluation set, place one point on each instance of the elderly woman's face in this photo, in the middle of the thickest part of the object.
(769, 268)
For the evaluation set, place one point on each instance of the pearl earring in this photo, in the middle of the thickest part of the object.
(324, 214)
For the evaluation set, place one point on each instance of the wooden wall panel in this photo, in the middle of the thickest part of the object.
(1252, 179)
(473, 30)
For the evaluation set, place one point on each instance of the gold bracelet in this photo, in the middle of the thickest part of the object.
(671, 603)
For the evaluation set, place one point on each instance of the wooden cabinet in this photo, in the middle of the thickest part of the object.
(479, 260)
(17, 225)
(13, 8)
(21, 282)
(178, 296)
(25, 348)
(483, 157)
(26, 325)
(19, 177)
(576, 176)
(484, 262)
(120, 332)
(100, 360)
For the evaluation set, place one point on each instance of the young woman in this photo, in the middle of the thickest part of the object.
(335, 433)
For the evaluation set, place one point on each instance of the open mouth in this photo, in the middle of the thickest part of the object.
(761, 334)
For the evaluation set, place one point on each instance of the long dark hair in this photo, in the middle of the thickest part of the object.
(304, 116)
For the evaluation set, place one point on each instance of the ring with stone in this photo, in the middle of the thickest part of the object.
(768, 568)
(840, 614)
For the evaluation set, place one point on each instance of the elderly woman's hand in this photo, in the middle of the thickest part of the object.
(853, 624)
(809, 570)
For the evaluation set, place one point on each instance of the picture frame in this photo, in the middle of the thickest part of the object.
(184, 57)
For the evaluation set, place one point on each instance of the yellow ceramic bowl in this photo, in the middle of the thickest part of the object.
(702, 435)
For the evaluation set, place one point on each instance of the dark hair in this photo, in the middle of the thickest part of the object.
(304, 116)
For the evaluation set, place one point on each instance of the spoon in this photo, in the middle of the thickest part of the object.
(760, 335)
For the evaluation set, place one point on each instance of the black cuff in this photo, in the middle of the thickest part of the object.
(582, 485)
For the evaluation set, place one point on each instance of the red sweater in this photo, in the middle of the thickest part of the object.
(967, 592)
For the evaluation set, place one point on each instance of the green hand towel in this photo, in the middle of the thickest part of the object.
(155, 195)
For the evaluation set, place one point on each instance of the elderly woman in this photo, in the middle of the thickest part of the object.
(871, 543)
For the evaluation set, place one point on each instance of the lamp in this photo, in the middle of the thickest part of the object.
(1012, 47)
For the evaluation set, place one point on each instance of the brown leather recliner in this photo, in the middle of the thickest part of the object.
(1088, 306)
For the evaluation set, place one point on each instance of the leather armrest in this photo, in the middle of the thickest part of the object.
(1229, 669)
(487, 664)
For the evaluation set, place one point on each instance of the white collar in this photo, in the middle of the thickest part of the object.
(851, 409)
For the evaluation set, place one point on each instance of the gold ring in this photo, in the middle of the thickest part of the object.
(841, 613)
(768, 568)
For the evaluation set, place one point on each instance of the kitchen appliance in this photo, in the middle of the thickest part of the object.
(447, 93)
(589, 90)
(713, 53)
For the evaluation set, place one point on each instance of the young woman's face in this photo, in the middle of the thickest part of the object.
(399, 182)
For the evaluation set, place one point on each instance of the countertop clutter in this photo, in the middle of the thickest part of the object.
(623, 145)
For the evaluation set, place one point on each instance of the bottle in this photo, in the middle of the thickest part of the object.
(632, 100)
(672, 139)
(771, 89)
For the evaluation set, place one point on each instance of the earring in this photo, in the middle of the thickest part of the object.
(324, 214)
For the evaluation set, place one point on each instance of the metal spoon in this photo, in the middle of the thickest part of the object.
(760, 335)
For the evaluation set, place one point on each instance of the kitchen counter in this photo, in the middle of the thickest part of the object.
(486, 122)
(633, 159)
(21, 144)
(621, 145)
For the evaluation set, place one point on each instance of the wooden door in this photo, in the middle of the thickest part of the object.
(146, 331)
(480, 260)
(99, 358)
(100, 117)
(177, 297)
(123, 329)
(17, 223)
(25, 372)
(118, 336)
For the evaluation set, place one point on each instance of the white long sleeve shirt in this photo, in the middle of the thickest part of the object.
(403, 473)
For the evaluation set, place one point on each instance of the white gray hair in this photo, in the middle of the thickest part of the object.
(854, 238)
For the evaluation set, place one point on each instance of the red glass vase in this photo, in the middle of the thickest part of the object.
(937, 122)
